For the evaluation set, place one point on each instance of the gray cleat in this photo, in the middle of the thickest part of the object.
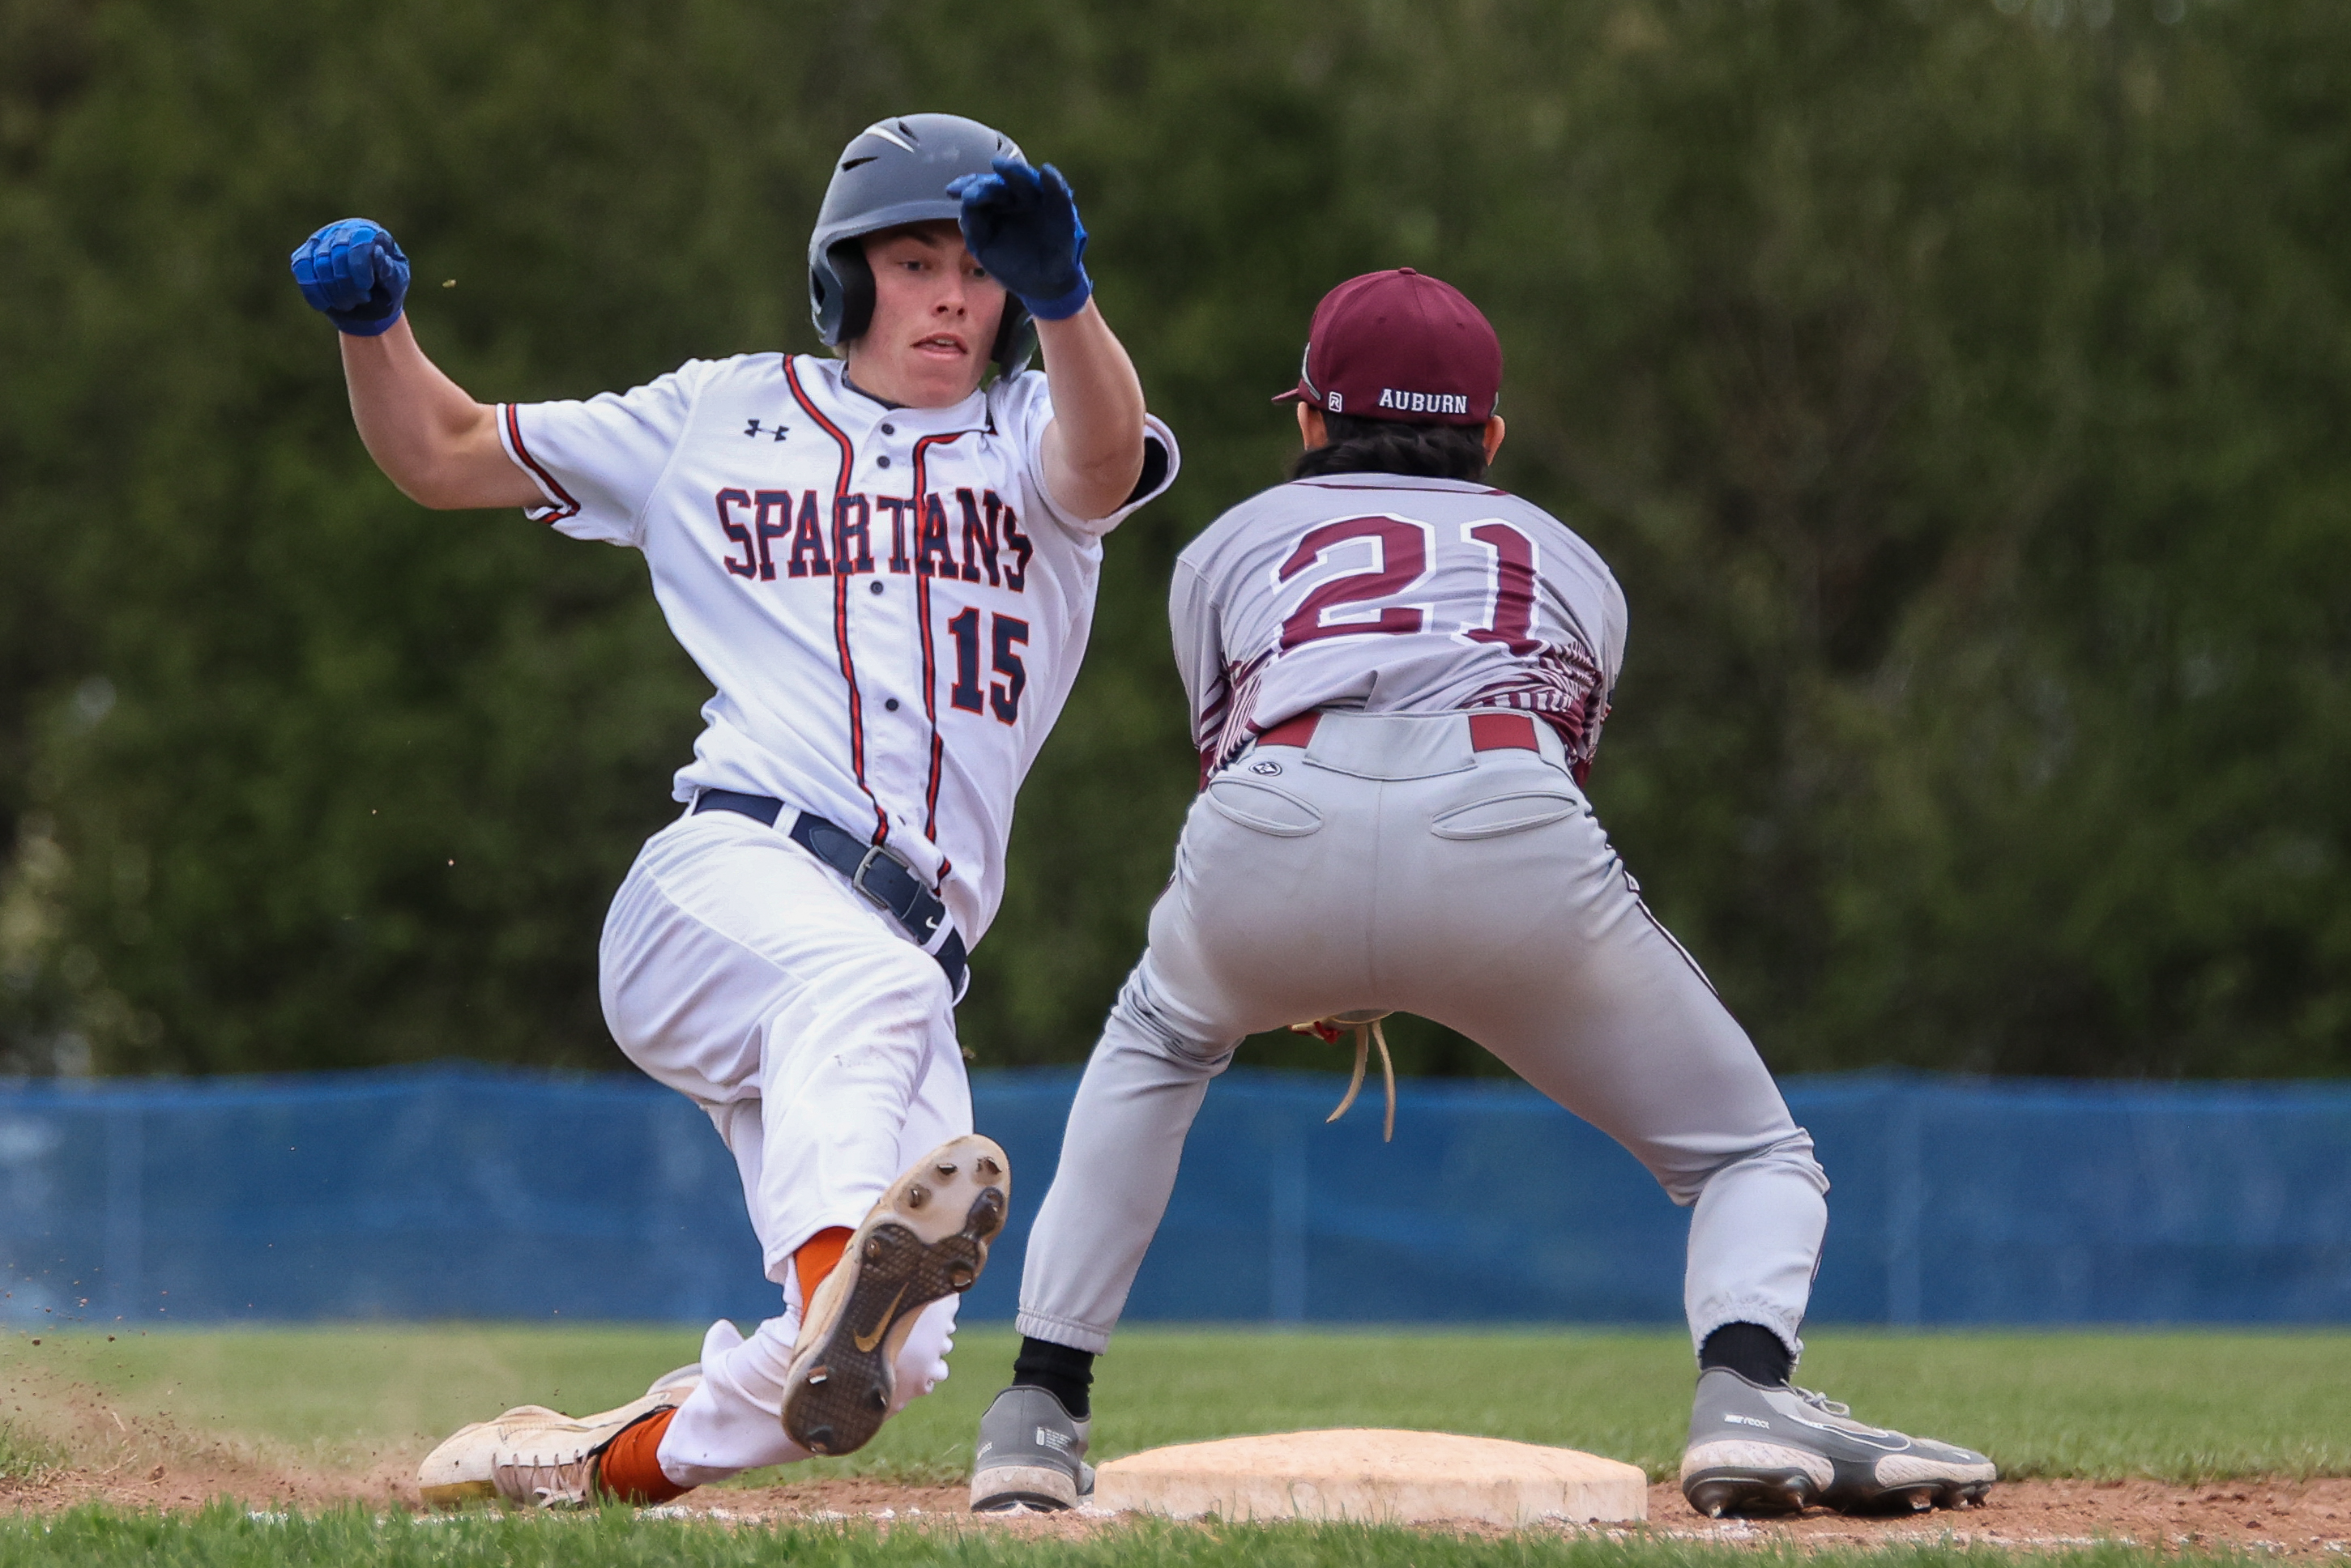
(1032, 1454)
(1754, 1450)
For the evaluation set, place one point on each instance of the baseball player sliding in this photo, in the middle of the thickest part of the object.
(886, 572)
(1397, 677)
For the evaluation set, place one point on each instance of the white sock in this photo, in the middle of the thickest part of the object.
(734, 1421)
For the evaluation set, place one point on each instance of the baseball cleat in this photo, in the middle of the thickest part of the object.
(536, 1456)
(1032, 1454)
(927, 1238)
(1754, 1450)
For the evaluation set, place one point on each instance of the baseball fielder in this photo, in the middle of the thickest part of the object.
(1398, 676)
(886, 571)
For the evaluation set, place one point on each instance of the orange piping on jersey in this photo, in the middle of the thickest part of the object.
(930, 674)
(841, 607)
(565, 506)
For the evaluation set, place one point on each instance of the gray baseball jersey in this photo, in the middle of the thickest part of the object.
(1387, 594)
(1384, 863)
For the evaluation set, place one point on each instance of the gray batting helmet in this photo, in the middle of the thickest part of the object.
(896, 172)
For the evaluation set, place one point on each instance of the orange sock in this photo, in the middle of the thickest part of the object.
(817, 1258)
(630, 1468)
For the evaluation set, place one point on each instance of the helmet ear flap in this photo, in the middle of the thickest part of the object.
(1015, 338)
(844, 316)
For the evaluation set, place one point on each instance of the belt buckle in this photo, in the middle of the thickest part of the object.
(857, 877)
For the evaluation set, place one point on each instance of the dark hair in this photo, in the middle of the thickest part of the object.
(1359, 445)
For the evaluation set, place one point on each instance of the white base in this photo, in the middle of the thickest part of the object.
(1376, 1477)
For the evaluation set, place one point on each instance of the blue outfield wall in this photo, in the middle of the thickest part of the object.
(465, 1191)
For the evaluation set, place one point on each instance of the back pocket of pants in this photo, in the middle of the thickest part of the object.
(1263, 808)
(1504, 814)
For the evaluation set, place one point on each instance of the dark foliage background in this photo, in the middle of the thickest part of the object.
(1958, 387)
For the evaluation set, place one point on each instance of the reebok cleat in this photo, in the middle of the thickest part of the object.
(1754, 1450)
(927, 1238)
(1032, 1455)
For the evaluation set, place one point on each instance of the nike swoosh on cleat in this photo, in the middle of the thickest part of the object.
(865, 1343)
(1898, 1444)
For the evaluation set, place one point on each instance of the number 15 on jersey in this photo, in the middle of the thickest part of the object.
(1008, 635)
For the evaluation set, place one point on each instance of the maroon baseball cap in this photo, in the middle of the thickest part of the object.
(1400, 346)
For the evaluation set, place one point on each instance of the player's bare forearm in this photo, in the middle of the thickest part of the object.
(1093, 449)
(425, 432)
(430, 439)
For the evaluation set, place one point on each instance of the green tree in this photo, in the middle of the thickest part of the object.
(1954, 384)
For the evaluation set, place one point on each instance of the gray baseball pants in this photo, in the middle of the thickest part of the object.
(1388, 864)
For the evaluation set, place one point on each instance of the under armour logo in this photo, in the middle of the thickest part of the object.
(1268, 768)
(776, 433)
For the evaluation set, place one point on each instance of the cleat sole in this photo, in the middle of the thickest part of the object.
(1000, 1489)
(838, 1409)
(1748, 1494)
(1020, 1502)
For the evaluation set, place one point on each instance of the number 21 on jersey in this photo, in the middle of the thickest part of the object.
(1403, 553)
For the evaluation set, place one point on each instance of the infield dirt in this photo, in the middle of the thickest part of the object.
(148, 1463)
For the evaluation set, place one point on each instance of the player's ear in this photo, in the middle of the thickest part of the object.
(1311, 428)
(1493, 437)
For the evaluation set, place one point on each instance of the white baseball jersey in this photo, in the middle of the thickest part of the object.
(1388, 594)
(888, 603)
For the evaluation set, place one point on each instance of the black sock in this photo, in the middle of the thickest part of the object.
(1067, 1374)
(1749, 1349)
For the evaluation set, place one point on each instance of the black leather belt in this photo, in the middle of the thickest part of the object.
(873, 870)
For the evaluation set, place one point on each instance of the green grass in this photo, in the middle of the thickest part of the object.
(26, 1454)
(2176, 1407)
(227, 1537)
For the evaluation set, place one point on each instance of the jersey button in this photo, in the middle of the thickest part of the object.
(889, 430)
(876, 584)
(881, 463)
(892, 704)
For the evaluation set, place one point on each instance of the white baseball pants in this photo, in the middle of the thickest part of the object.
(747, 975)
(1386, 864)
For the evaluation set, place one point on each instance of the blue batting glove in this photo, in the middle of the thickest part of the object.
(1022, 224)
(354, 273)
